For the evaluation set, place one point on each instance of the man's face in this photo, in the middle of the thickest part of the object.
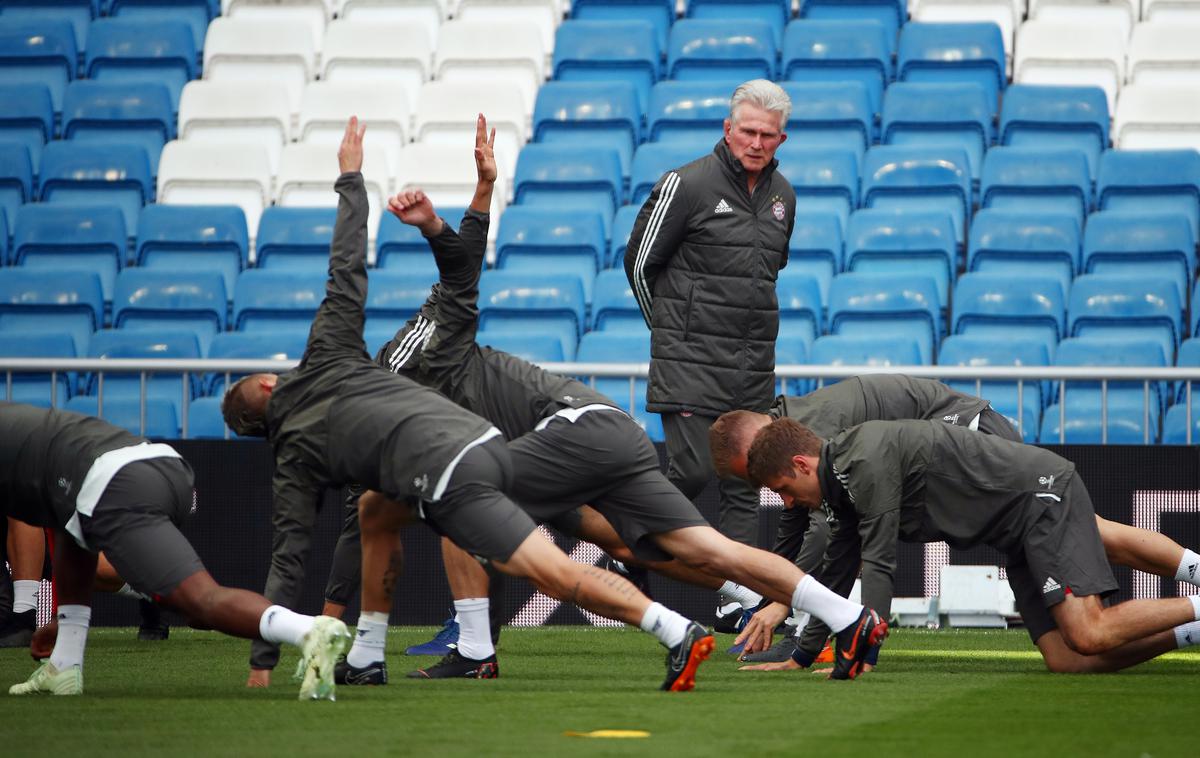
(801, 489)
(754, 137)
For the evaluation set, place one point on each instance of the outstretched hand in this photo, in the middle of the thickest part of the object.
(414, 208)
(485, 157)
(350, 153)
(759, 630)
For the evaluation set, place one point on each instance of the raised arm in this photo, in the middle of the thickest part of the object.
(657, 232)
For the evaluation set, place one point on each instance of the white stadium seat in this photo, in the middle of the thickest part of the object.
(446, 113)
(488, 52)
(1157, 117)
(253, 49)
(1165, 53)
(314, 14)
(191, 173)
(426, 15)
(1059, 53)
(1003, 13)
(383, 108)
(1118, 15)
(543, 14)
(237, 112)
(447, 174)
(376, 53)
(1171, 11)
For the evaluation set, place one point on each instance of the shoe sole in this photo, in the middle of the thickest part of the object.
(318, 681)
(701, 649)
(878, 634)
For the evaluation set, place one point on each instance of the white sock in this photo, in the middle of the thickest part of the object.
(127, 591)
(370, 639)
(278, 624)
(25, 595)
(73, 623)
(1188, 571)
(665, 624)
(743, 596)
(474, 628)
(1195, 607)
(825, 604)
(1187, 635)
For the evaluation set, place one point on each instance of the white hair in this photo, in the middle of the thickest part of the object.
(764, 94)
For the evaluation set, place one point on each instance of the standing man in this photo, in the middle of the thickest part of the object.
(702, 261)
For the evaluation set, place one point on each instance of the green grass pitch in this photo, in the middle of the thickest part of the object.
(950, 693)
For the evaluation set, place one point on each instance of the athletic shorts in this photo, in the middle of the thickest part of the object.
(474, 512)
(1062, 553)
(602, 458)
(136, 525)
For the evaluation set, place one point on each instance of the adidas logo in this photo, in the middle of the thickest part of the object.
(1050, 586)
(722, 207)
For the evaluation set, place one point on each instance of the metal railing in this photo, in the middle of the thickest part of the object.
(60, 368)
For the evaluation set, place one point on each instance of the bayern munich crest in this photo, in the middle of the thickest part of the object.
(778, 210)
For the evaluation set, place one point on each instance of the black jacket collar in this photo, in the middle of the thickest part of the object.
(737, 171)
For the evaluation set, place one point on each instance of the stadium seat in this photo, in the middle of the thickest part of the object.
(1020, 401)
(774, 13)
(1126, 307)
(383, 108)
(953, 53)
(720, 51)
(265, 345)
(284, 301)
(128, 112)
(1151, 181)
(830, 115)
(38, 52)
(688, 112)
(39, 300)
(1114, 15)
(890, 13)
(565, 176)
(404, 248)
(218, 113)
(77, 13)
(119, 175)
(16, 179)
(651, 162)
(144, 343)
(393, 297)
(815, 248)
(1056, 118)
(937, 115)
(1031, 179)
(627, 392)
(54, 237)
(892, 306)
(622, 227)
(480, 53)
(791, 351)
(390, 54)
(605, 51)
(314, 15)
(446, 114)
(4, 252)
(801, 313)
(194, 238)
(161, 419)
(1175, 425)
(1140, 244)
(1009, 306)
(614, 308)
(523, 302)
(1025, 243)
(447, 174)
(660, 14)
(918, 178)
(840, 50)
(425, 16)
(125, 50)
(295, 238)
(1164, 53)
(205, 422)
(1003, 13)
(533, 347)
(26, 117)
(1188, 356)
(1158, 117)
(865, 350)
(600, 114)
(247, 49)
(156, 299)
(884, 241)
(547, 240)
(191, 174)
(1171, 11)
(40, 389)
(825, 180)
(1066, 53)
(195, 13)
(1083, 426)
(543, 15)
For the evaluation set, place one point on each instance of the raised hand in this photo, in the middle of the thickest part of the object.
(414, 208)
(350, 153)
(485, 157)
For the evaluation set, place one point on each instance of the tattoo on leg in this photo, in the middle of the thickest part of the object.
(392, 574)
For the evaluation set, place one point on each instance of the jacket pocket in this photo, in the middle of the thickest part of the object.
(687, 311)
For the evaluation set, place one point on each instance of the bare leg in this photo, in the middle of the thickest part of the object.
(26, 550)
(74, 571)
(382, 553)
(1089, 628)
(467, 577)
(1060, 658)
(208, 605)
(1140, 549)
(107, 579)
(596, 529)
(706, 550)
(333, 610)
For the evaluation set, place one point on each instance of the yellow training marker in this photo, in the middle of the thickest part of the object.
(610, 734)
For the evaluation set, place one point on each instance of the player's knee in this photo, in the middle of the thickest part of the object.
(1085, 639)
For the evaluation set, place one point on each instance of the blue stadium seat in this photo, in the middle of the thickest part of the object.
(891, 306)
(402, 247)
(1188, 356)
(39, 52)
(1056, 118)
(1195, 321)
(194, 238)
(393, 297)
(815, 248)
(801, 314)
(147, 298)
(1151, 181)
(1025, 243)
(551, 241)
(266, 344)
(1005, 306)
(622, 347)
(791, 351)
(884, 241)
(865, 350)
(533, 347)
(134, 50)
(1141, 244)
(840, 50)
(1083, 426)
(40, 389)
(918, 178)
(195, 13)
(690, 113)
(284, 301)
(1136, 308)
(966, 53)
(940, 115)
(205, 422)
(660, 14)
(83, 175)
(134, 112)
(720, 51)
(26, 117)
(522, 302)
(1175, 426)
(55, 236)
(566, 176)
(16, 179)
(4, 252)
(596, 114)
(1031, 179)
(605, 51)
(651, 161)
(65, 300)
(1020, 401)
(622, 228)
(145, 343)
(774, 13)
(614, 308)
(161, 415)
(77, 13)
(833, 115)
(890, 13)
(295, 238)
(825, 181)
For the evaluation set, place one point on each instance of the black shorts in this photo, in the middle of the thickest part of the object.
(1061, 553)
(136, 525)
(605, 460)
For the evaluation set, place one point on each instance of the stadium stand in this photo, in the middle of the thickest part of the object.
(890, 14)
(26, 118)
(543, 15)
(402, 247)
(159, 420)
(154, 299)
(622, 227)
(614, 308)
(622, 347)
(688, 113)
(194, 238)
(195, 13)
(39, 52)
(383, 107)
(281, 52)
(277, 301)
(836, 116)
(659, 14)
(1028, 307)
(940, 115)
(651, 161)
(108, 113)
(881, 241)
(597, 114)
(237, 112)
(1005, 14)
(1019, 401)
(774, 13)
(919, 178)
(144, 343)
(127, 50)
(295, 238)
(377, 53)
(1032, 179)
(446, 113)
(1145, 309)
(41, 389)
(16, 179)
(801, 313)
(716, 51)
(1158, 117)
(549, 240)
(53, 237)
(267, 345)
(312, 15)
(524, 302)
(481, 53)
(197, 174)
(1056, 117)
(961, 53)
(816, 248)
(1164, 53)
(1139, 244)
(898, 306)
(607, 51)
(67, 300)
(1050, 52)
(76, 174)
(1151, 181)
(1026, 243)
(841, 50)
(535, 348)
(565, 176)
(865, 350)
(825, 180)
(424, 16)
